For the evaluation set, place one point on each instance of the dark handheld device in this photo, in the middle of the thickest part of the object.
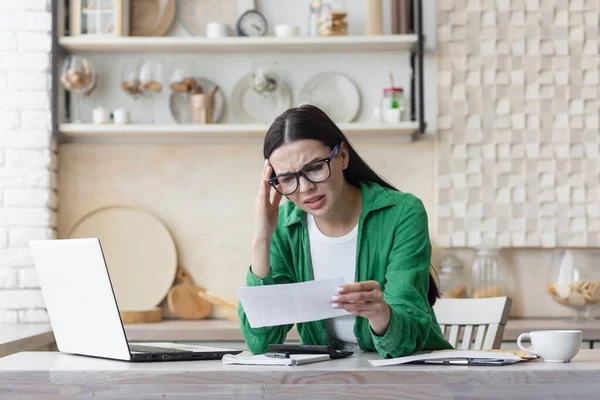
(309, 349)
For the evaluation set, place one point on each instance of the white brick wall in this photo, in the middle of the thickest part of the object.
(40, 5)
(28, 162)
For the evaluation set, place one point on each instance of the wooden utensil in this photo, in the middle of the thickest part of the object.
(229, 308)
(134, 317)
(183, 299)
(203, 106)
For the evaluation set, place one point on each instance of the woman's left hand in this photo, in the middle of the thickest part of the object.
(366, 300)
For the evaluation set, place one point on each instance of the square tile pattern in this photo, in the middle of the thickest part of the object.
(518, 123)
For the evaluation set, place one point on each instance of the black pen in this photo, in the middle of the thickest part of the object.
(277, 355)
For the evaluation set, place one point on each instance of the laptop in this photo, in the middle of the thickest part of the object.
(83, 310)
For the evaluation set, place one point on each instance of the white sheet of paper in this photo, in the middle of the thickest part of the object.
(447, 355)
(273, 305)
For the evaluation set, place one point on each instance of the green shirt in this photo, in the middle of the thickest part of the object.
(393, 248)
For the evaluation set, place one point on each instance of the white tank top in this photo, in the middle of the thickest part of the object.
(331, 257)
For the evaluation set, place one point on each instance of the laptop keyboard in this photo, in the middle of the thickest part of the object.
(152, 349)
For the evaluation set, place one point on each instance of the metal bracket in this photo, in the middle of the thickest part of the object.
(417, 101)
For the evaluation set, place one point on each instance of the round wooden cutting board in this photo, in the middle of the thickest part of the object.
(139, 251)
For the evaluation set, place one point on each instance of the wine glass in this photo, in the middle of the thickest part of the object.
(183, 85)
(267, 82)
(152, 81)
(183, 77)
(77, 76)
(265, 76)
(130, 80)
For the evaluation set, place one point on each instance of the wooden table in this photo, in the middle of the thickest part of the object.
(15, 337)
(40, 375)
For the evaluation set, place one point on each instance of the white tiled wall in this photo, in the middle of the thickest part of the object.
(519, 149)
(28, 161)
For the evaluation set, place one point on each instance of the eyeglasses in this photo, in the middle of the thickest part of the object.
(316, 172)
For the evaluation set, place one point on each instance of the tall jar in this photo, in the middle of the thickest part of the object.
(487, 275)
(453, 278)
(574, 280)
(314, 14)
(334, 18)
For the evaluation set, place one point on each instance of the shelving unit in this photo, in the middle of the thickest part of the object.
(74, 131)
(239, 44)
(63, 45)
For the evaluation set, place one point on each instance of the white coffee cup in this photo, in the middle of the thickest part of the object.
(216, 30)
(285, 30)
(100, 115)
(552, 346)
(120, 116)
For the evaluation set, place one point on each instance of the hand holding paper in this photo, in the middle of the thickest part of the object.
(290, 303)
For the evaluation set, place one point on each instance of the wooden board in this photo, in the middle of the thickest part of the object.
(139, 251)
(185, 302)
(135, 317)
(183, 299)
(151, 17)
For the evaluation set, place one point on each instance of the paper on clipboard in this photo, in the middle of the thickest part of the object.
(291, 303)
(476, 357)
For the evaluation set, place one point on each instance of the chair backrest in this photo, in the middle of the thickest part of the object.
(477, 323)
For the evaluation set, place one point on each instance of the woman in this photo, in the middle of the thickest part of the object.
(342, 220)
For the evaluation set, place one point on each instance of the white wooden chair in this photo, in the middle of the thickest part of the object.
(460, 318)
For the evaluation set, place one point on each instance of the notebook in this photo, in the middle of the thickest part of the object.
(457, 357)
(294, 359)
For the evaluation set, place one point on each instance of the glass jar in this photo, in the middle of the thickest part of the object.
(392, 105)
(313, 18)
(574, 280)
(334, 18)
(452, 276)
(487, 275)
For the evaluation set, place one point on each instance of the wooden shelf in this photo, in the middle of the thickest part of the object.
(219, 130)
(239, 44)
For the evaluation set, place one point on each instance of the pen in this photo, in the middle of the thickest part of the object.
(277, 355)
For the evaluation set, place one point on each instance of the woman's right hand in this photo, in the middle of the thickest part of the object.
(266, 207)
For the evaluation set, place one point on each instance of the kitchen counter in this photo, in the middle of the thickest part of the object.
(178, 330)
(24, 337)
(15, 337)
(514, 327)
(227, 330)
(40, 374)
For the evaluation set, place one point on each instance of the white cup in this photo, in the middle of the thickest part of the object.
(216, 30)
(100, 115)
(552, 346)
(121, 116)
(285, 30)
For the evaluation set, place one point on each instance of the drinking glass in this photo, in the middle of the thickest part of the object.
(77, 76)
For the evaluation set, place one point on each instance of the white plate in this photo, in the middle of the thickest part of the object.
(195, 14)
(181, 108)
(335, 94)
(250, 106)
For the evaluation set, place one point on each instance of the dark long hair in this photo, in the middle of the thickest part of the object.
(310, 122)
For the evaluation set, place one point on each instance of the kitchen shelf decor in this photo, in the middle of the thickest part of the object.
(89, 44)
